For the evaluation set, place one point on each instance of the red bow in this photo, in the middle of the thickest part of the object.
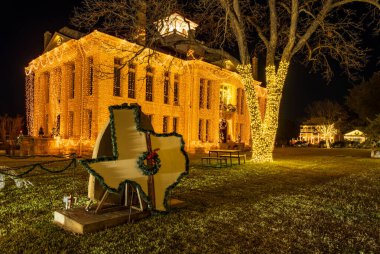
(152, 154)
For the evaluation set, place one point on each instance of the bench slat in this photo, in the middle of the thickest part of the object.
(233, 155)
(219, 161)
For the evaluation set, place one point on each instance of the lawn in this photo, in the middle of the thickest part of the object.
(309, 200)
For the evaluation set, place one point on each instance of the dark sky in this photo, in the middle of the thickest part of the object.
(22, 41)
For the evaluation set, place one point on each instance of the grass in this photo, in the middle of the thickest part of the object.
(308, 201)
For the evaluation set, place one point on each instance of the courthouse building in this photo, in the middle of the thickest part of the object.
(71, 85)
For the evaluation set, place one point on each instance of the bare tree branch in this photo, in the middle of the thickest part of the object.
(313, 27)
(292, 32)
(273, 33)
(343, 2)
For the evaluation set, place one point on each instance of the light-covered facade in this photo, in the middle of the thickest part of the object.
(310, 134)
(71, 85)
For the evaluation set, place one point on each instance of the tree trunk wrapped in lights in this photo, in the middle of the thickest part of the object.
(263, 131)
(314, 30)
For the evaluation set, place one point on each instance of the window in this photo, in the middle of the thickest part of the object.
(117, 77)
(200, 131)
(150, 117)
(131, 81)
(165, 124)
(208, 100)
(58, 126)
(242, 103)
(149, 84)
(175, 124)
(47, 85)
(166, 88)
(71, 124)
(225, 94)
(207, 130)
(90, 76)
(238, 100)
(59, 84)
(201, 95)
(176, 90)
(72, 81)
(241, 132)
(89, 123)
(47, 123)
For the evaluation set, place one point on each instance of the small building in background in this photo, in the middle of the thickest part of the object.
(312, 136)
(355, 135)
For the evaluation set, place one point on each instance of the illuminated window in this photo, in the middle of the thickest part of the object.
(149, 84)
(165, 121)
(117, 77)
(131, 81)
(90, 76)
(175, 124)
(89, 123)
(200, 130)
(166, 88)
(225, 94)
(207, 131)
(47, 86)
(72, 81)
(70, 127)
(201, 94)
(176, 90)
(208, 100)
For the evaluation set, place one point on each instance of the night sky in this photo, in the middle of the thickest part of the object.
(22, 41)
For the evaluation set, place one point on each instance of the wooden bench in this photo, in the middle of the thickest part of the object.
(220, 161)
(238, 156)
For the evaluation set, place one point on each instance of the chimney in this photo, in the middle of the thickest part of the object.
(47, 37)
(255, 68)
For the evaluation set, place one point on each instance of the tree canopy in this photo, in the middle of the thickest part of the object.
(315, 32)
(326, 112)
(364, 99)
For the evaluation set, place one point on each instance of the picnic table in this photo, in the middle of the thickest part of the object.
(228, 153)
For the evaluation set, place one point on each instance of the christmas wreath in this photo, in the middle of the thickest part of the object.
(153, 163)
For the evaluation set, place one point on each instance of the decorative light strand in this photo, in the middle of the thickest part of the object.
(102, 48)
(264, 131)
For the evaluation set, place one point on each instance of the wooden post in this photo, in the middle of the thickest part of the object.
(151, 192)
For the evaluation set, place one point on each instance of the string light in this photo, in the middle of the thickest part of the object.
(29, 102)
(264, 129)
(327, 131)
(102, 49)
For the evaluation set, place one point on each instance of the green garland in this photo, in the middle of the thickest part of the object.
(38, 165)
(137, 112)
(71, 155)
